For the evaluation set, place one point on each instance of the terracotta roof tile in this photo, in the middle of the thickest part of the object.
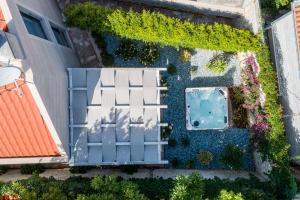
(23, 131)
(296, 10)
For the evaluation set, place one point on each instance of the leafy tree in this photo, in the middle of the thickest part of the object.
(188, 187)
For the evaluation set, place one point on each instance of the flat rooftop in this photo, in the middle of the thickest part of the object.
(115, 116)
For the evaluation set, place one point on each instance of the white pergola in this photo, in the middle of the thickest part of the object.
(115, 116)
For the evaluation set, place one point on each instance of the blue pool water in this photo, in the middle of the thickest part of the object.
(206, 108)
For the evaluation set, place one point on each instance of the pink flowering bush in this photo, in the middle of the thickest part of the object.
(261, 125)
(251, 85)
(251, 61)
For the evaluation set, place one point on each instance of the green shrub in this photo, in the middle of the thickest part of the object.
(166, 131)
(129, 169)
(32, 169)
(283, 183)
(79, 169)
(218, 64)
(127, 50)
(148, 54)
(107, 59)
(190, 164)
(163, 81)
(155, 27)
(240, 117)
(185, 55)
(172, 70)
(188, 187)
(224, 195)
(232, 156)
(3, 169)
(54, 193)
(193, 70)
(205, 157)
(172, 142)
(155, 188)
(185, 141)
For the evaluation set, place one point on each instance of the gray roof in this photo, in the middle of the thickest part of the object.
(284, 44)
(115, 116)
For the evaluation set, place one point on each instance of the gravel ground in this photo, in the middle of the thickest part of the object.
(211, 140)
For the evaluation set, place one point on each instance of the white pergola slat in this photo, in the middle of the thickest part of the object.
(115, 116)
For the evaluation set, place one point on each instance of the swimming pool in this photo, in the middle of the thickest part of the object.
(206, 108)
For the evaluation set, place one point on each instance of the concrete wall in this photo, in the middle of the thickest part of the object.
(285, 51)
(227, 8)
(44, 62)
(245, 12)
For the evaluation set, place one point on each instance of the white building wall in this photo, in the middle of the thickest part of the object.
(44, 63)
(288, 69)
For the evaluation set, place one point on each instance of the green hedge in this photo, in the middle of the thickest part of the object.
(157, 28)
(77, 187)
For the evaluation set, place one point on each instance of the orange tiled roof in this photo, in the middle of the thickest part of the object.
(296, 11)
(3, 25)
(23, 132)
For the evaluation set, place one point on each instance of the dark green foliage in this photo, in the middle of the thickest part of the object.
(163, 81)
(188, 187)
(283, 183)
(155, 189)
(107, 59)
(76, 185)
(113, 188)
(232, 156)
(54, 193)
(185, 141)
(3, 169)
(172, 142)
(127, 50)
(240, 118)
(190, 164)
(129, 169)
(166, 131)
(79, 169)
(251, 189)
(175, 162)
(157, 28)
(32, 169)
(172, 70)
(148, 54)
